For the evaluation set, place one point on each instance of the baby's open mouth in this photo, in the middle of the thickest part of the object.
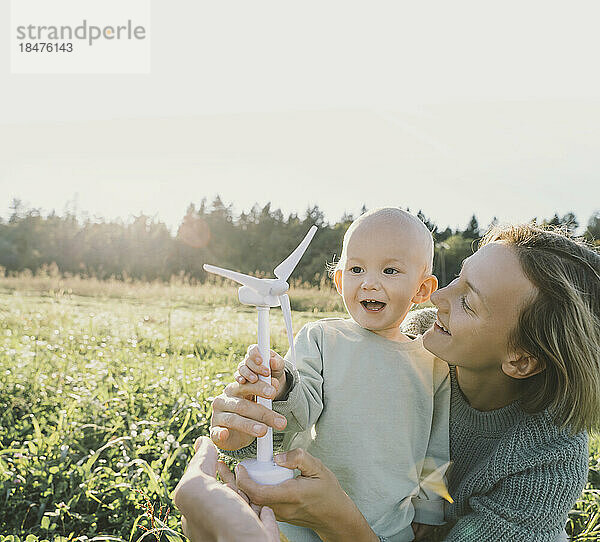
(373, 306)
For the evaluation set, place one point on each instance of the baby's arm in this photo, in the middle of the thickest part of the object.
(429, 505)
(302, 402)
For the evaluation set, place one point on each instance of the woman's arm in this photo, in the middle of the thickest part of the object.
(314, 499)
(213, 511)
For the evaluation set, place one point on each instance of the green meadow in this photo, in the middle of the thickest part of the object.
(105, 385)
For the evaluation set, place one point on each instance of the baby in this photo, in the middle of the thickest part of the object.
(366, 399)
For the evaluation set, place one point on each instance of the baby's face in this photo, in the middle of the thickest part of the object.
(383, 272)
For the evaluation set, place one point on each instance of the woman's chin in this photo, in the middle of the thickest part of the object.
(432, 343)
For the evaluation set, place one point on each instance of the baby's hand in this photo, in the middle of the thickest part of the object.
(251, 368)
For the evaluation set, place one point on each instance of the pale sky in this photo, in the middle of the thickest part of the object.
(454, 108)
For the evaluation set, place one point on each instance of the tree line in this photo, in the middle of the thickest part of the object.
(253, 242)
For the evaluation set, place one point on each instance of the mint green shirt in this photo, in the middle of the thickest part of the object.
(375, 411)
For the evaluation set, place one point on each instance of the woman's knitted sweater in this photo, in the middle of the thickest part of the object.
(514, 476)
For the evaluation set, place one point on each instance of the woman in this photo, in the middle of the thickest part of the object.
(521, 326)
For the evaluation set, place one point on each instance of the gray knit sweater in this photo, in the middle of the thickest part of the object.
(514, 476)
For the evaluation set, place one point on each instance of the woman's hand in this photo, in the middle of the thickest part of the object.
(216, 512)
(314, 499)
(237, 420)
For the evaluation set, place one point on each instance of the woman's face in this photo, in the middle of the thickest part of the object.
(479, 309)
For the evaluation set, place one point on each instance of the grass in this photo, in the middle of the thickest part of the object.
(104, 386)
(179, 292)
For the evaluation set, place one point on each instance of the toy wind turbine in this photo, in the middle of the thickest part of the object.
(264, 294)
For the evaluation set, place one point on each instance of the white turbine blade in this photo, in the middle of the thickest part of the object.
(284, 300)
(285, 268)
(252, 282)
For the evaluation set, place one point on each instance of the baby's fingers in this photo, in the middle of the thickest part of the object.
(247, 372)
(253, 366)
(253, 360)
(239, 378)
(277, 363)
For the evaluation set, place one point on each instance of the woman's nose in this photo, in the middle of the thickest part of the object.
(439, 299)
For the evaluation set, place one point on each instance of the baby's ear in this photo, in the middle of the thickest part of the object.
(337, 278)
(428, 286)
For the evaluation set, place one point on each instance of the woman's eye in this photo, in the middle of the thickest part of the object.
(390, 271)
(465, 305)
(355, 269)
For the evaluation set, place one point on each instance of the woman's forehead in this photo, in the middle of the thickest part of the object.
(495, 271)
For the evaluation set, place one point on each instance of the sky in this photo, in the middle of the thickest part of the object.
(454, 108)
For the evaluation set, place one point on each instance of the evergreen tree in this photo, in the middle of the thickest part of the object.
(472, 230)
(568, 222)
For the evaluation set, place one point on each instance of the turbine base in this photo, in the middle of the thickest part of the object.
(266, 473)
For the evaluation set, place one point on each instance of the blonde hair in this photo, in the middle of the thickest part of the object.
(383, 213)
(561, 326)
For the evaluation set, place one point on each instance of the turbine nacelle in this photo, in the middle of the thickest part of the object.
(263, 289)
(249, 296)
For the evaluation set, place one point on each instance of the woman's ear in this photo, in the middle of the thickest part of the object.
(428, 286)
(522, 365)
(337, 278)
